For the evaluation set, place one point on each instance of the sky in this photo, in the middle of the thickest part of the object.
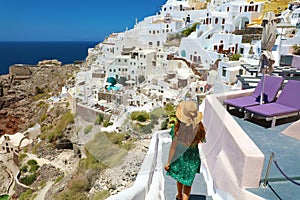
(70, 20)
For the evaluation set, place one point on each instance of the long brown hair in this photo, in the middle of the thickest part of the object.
(187, 134)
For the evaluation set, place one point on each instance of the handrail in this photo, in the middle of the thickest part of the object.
(268, 170)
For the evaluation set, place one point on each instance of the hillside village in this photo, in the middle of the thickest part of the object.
(186, 51)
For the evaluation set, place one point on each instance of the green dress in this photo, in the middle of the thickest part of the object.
(185, 163)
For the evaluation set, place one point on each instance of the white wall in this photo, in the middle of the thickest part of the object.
(233, 159)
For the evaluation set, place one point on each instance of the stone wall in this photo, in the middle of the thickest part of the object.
(90, 114)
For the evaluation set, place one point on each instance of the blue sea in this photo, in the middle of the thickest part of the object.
(33, 52)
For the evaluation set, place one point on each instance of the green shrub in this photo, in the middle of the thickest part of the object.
(34, 168)
(43, 117)
(99, 119)
(140, 115)
(24, 169)
(59, 178)
(29, 179)
(42, 184)
(141, 118)
(22, 156)
(79, 183)
(189, 30)
(90, 162)
(101, 195)
(32, 162)
(106, 123)
(41, 103)
(88, 129)
(101, 151)
(115, 138)
(64, 121)
(71, 195)
(235, 57)
(39, 90)
(26, 195)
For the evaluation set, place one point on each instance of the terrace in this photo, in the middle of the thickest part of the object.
(235, 158)
(269, 141)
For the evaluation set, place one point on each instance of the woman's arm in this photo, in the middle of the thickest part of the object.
(171, 153)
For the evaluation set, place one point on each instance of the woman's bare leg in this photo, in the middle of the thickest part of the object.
(186, 192)
(179, 190)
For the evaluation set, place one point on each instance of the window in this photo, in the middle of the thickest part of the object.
(224, 71)
(150, 32)
(223, 21)
(150, 43)
(242, 50)
(110, 70)
(216, 21)
(114, 70)
(245, 9)
(227, 9)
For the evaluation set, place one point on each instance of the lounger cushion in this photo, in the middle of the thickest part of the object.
(290, 95)
(271, 109)
(242, 102)
(272, 85)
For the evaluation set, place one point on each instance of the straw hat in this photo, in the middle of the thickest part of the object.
(187, 113)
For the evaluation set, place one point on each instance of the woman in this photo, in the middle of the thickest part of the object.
(184, 159)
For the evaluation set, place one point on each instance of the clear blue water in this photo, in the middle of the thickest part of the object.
(33, 52)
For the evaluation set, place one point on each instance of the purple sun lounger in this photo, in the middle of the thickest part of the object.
(287, 104)
(272, 84)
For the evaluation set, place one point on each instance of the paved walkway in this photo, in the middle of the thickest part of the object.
(199, 187)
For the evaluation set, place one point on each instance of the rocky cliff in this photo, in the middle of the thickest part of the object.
(25, 87)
